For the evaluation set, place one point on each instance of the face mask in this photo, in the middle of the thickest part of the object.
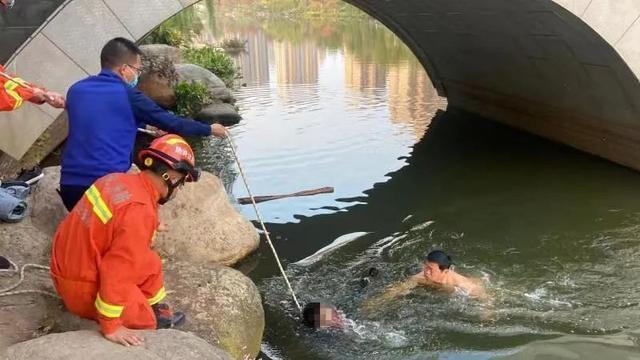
(134, 82)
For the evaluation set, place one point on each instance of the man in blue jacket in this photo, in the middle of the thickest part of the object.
(105, 111)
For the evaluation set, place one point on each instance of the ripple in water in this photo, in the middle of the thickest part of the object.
(570, 298)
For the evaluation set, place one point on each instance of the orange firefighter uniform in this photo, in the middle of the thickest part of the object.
(14, 92)
(102, 263)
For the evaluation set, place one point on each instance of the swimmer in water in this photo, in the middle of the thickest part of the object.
(322, 316)
(437, 273)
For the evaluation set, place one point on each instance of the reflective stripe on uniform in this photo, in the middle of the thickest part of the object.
(174, 141)
(108, 310)
(157, 297)
(100, 208)
(10, 86)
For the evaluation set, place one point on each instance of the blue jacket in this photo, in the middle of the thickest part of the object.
(104, 114)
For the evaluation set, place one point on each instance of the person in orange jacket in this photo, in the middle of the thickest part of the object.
(15, 91)
(7, 3)
(102, 264)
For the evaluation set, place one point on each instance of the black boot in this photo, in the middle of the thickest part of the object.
(167, 319)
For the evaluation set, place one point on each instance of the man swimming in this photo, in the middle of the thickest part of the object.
(437, 273)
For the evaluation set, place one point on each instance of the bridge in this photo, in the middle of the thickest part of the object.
(566, 70)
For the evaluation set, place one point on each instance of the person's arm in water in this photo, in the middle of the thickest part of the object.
(473, 287)
(392, 292)
(148, 112)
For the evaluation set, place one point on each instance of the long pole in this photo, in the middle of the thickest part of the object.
(264, 228)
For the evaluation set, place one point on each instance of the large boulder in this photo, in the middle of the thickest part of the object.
(174, 54)
(222, 305)
(204, 227)
(158, 80)
(21, 316)
(46, 207)
(221, 113)
(80, 345)
(159, 89)
(194, 73)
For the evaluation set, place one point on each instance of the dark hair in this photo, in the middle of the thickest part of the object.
(439, 257)
(311, 314)
(117, 52)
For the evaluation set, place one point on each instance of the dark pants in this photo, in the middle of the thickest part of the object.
(71, 194)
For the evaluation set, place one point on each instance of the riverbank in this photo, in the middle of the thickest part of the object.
(223, 306)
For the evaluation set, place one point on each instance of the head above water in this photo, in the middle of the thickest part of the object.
(321, 316)
(436, 265)
(123, 57)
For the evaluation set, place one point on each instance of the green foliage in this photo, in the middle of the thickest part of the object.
(191, 98)
(166, 34)
(233, 44)
(214, 60)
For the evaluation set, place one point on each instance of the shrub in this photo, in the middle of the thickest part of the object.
(160, 66)
(214, 60)
(166, 35)
(191, 97)
(234, 44)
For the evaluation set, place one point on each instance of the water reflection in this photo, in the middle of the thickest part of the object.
(343, 103)
(326, 103)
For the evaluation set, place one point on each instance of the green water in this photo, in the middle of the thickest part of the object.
(342, 103)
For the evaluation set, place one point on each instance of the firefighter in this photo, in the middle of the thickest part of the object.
(102, 264)
(7, 3)
(15, 91)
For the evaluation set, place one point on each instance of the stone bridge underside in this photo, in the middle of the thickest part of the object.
(565, 69)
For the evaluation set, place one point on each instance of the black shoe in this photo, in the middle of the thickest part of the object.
(31, 176)
(167, 319)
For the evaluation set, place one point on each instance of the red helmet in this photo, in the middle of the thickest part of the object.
(173, 151)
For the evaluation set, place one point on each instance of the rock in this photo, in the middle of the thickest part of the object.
(174, 54)
(204, 227)
(47, 209)
(24, 242)
(222, 306)
(158, 89)
(191, 73)
(224, 114)
(224, 95)
(21, 316)
(80, 345)
(158, 80)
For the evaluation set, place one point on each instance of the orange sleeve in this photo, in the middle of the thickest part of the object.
(13, 94)
(7, 103)
(125, 264)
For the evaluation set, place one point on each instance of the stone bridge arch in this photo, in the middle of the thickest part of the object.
(564, 69)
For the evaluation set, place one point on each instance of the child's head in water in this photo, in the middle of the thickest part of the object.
(321, 316)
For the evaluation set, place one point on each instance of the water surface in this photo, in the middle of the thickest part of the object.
(553, 232)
